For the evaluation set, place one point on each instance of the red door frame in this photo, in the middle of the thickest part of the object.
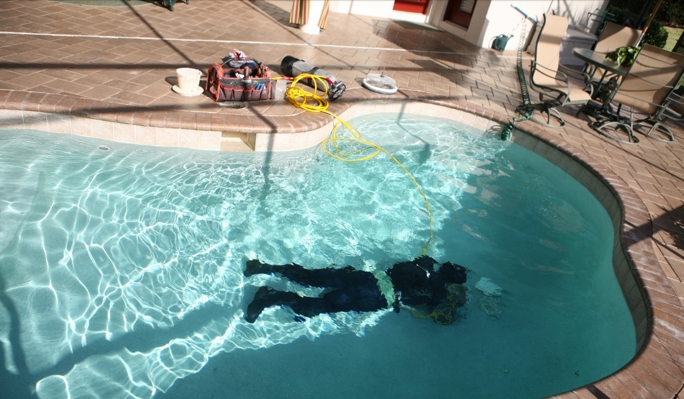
(417, 6)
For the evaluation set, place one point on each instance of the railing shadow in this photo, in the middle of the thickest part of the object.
(159, 35)
(671, 221)
(439, 45)
(275, 13)
(14, 385)
(143, 339)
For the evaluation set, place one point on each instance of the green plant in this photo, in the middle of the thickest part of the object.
(671, 12)
(656, 34)
(624, 55)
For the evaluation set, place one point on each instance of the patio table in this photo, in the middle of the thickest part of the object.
(596, 59)
(605, 89)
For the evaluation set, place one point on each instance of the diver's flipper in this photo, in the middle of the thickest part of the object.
(265, 298)
(256, 267)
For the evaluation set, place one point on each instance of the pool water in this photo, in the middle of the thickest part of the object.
(121, 269)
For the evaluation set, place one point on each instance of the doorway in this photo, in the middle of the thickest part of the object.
(460, 12)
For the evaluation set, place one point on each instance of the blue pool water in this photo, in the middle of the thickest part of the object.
(121, 269)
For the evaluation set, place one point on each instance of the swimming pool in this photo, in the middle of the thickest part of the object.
(122, 268)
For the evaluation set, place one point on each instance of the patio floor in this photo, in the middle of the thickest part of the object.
(118, 63)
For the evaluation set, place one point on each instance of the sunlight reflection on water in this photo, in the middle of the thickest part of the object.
(126, 265)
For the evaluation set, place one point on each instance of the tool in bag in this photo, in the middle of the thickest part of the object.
(240, 78)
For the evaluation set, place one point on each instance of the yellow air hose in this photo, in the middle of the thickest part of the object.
(310, 101)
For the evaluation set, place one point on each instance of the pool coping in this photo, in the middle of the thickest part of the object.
(654, 372)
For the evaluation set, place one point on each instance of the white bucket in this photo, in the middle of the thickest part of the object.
(188, 79)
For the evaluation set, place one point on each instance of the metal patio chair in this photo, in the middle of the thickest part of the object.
(546, 77)
(647, 87)
(612, 36)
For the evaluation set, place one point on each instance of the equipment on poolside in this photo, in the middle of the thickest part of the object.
(293, 67)
(240, 78)
(380, 83)
(525, 109)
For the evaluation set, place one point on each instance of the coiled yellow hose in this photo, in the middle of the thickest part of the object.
(310, 101)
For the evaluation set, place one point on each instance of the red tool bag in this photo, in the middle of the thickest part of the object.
(236, 84)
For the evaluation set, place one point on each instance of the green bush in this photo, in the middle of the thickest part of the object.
(671, 12)
(656, 35)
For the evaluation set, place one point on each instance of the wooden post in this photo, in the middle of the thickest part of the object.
(648, 23)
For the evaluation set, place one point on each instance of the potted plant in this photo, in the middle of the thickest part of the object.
(624, 55)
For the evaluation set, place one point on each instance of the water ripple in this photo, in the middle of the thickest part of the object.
(110, 257)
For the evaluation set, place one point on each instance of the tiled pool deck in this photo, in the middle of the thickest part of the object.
(107, 72)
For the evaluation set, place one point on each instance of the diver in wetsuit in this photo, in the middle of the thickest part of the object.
(416, 283)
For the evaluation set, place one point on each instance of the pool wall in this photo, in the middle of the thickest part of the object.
(610, 199)
(656, 310)
(110, 130)
(653, 303)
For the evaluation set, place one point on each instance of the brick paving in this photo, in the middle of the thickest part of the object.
(118, 63)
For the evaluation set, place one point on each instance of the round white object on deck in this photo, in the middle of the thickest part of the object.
(380, 83)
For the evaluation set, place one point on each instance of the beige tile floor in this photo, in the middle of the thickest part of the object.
(118, 63)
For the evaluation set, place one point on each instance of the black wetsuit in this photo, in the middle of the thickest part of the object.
(416, 283)
(419, 284)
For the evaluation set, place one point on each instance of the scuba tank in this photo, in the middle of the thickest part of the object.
(293, 67)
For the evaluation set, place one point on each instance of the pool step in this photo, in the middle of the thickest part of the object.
(236, 142)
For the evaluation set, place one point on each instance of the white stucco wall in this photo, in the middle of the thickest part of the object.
(490, 17)
(501, 18)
